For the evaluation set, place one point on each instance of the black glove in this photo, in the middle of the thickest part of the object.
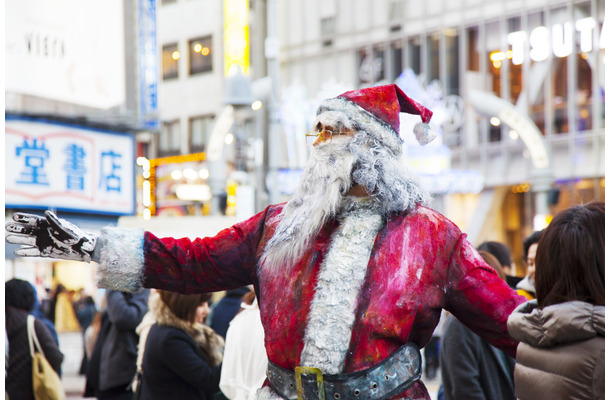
(49, 237)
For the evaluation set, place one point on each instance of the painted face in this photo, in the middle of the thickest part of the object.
(202, 312)
(325, 133)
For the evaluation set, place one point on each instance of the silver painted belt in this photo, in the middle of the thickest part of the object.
(390, 377)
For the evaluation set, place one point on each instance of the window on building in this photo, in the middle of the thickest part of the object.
(515, 70)
(200, 55)
(561, 45)
(538, 71)
(200, 129)
(166, 2)
(584, 75)
(434, 66)
(169, 138)
(169, 61)
(396, 59)
(415, 54)
(452, 60)
(473, 48)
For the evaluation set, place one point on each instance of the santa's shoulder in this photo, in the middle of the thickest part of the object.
(423, 216)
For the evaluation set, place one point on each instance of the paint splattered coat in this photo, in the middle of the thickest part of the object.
(420, 263)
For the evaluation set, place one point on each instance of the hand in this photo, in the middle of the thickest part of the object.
(49, 237)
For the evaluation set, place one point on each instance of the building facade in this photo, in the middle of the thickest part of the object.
(521, 83)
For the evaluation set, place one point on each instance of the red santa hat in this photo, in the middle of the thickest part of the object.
(376, 110)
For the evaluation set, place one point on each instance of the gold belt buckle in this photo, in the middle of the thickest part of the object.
(298, 371)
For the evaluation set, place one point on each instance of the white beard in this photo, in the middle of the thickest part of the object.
(318, 196)
(332, 169)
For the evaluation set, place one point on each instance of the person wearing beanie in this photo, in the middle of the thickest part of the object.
(351, 274)
(20, 298)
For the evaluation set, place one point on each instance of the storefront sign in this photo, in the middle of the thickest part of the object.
(558, 41)
(75, 168)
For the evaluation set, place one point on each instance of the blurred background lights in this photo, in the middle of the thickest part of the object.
(229, 138)
(513, 134)
(190, 174)
(176, 174)
(176, 55)
(495, 121)
(257, 105)
(197, 48)
(205, 51)
(204, 173)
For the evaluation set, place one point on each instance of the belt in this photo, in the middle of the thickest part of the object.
(390, 377)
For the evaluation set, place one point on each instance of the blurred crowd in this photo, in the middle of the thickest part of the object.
(160, 345)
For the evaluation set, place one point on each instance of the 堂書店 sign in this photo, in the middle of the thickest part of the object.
(67, 167)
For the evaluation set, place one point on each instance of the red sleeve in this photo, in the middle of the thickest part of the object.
(225, 261)
(479, 298)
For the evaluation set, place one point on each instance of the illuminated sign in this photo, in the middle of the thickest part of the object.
(237, 36)
(68, 167)
(559, 40)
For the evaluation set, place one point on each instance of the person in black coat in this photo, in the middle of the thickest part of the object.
(113, 361)
(19, 295)
(182, 356)
(471, 368)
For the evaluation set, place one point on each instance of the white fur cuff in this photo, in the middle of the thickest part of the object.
(121, 259)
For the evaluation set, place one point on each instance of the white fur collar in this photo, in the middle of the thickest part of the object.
(332, 314)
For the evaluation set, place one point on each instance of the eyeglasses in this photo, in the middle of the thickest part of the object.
(325, 134)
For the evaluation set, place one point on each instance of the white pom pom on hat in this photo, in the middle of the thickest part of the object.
(377, 109)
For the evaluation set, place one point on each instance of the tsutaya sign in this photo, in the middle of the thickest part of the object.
(68, 167)
(559, 40)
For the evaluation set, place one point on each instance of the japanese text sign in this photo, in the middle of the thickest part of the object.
(50, 165)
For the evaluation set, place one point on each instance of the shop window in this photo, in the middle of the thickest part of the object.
(473, 48)
(200, 52)
(452, 58)
(415, 55)
(434, 69)
(169, 61)
(200, 129)
(169, 138)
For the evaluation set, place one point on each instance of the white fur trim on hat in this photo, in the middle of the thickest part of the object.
(366, 121)
(424, 133)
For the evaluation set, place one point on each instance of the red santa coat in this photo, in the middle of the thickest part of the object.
(419, 264)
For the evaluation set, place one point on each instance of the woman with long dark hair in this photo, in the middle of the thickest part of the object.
(182, 356)
(561, 354)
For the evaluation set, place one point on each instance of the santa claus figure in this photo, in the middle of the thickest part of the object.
(351, 274)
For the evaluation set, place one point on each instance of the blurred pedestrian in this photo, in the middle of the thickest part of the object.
(19, 296)
(39, 314)
(502, 253)
(525, 287)
(182, 356)
(85, 310)
(65, 318)
(223, 312)
(113, 361)
(471, 368)
(562, 350)
(245, 361)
